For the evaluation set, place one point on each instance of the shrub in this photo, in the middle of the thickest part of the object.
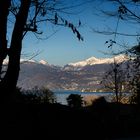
(75, 100)
(36, 95)
(99, 103)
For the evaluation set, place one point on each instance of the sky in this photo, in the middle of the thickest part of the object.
(63, 47)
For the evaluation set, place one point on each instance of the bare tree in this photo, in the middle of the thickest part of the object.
(126, 13)
(120, 12)
(134, 80)
(115, 80)
(26, 16)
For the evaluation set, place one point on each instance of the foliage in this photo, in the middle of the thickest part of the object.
(75, 100)
(99, 104)
(35, 95)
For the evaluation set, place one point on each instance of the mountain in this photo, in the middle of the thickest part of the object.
(37, 74)
(81, 75)
(43, 62)
(96, 61)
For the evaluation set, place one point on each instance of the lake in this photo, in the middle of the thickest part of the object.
(62, 95)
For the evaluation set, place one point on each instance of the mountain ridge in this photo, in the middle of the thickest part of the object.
(94, 60)
(68, 77)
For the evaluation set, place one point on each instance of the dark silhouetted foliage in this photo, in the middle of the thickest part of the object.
(75, 100)
(99, 103)
(35, 96)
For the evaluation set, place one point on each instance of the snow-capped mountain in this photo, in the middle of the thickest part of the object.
(94, 61)
(85, 74)
(43, 62)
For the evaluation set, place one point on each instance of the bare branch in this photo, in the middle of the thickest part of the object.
(113, 33)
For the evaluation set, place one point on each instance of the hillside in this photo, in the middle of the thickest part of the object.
(81, 75)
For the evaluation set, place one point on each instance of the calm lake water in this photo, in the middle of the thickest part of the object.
(62, 95)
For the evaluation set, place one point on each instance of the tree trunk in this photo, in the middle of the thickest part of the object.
(116, 84)
(10, 79)
(4, 11)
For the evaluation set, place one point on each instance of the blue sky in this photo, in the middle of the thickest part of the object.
(63, 47)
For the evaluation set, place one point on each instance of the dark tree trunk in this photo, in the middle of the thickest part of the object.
(116, 84)
(4, 11)
(9, 82)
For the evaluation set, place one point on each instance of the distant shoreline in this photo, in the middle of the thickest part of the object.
(87, 96)
(78, 92)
